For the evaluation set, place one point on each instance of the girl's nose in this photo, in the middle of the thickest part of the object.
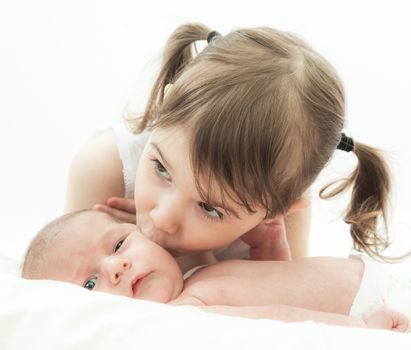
(115, 267)
(166, 215)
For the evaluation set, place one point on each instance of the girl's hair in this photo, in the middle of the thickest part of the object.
(264, 113)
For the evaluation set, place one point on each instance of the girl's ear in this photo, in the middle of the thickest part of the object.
(300, 203)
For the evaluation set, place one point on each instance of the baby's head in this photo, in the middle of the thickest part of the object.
(93, 250)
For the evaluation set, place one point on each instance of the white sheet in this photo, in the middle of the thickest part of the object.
(57, 315)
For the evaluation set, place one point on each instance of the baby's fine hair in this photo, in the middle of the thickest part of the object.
(42, 243)
(264, 114)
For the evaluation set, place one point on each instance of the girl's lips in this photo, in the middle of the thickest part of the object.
(136, 283)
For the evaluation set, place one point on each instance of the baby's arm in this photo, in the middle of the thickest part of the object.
(309, 283)
(381, 319)
(385, 318)
(284, 313)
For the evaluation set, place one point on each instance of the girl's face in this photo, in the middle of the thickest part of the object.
(169, 209)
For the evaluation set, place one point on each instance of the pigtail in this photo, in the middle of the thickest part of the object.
(176, 56)
(371, 186)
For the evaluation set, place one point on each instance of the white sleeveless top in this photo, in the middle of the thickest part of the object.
(130, 147)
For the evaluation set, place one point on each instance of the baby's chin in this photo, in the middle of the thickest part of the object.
(162, 297)
(160, 294)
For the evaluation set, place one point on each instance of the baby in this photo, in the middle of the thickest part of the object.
(95, 251)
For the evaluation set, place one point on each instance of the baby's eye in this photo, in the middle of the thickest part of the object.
(118, 245)
(210, 211)
(91, 283)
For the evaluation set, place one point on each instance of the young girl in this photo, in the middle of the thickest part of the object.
(228, 146)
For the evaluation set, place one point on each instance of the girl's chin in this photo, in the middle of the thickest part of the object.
(176, 253)
(181, 252)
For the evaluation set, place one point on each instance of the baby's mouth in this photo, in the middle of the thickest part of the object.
(136, 283)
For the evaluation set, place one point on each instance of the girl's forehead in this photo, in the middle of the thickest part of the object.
(177, 136)
(172, 148)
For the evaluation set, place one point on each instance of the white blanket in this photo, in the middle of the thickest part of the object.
(57, 315)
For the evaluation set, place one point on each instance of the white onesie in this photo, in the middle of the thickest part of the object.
(380, 288)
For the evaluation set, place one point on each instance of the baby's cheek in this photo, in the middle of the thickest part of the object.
(156, 290)
(111, 290)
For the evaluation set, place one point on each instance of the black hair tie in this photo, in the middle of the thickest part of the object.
(346, 143)
(212, 35)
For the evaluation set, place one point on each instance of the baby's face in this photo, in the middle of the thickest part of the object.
(101, 254)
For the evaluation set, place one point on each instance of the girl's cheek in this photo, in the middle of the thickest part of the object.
(143, 187)
(141, 202)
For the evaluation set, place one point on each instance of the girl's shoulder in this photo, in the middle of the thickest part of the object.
(101, 148)
(95, 172)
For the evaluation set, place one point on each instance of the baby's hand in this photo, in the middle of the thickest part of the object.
(385, 318)
(121, 208)
(268, 241)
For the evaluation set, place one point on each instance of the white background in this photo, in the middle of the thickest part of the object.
(70, 67)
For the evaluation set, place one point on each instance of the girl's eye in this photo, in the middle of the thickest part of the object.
(161, 170)
(91, 283)
(118, 245)
(211, 212)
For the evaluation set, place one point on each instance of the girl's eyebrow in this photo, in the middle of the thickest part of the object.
(157, 148)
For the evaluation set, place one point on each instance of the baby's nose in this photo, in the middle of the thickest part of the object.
(115, 268)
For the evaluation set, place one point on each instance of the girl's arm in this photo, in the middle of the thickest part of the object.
(268, 241)
(297, 226)
(282, 238)
(95, 173)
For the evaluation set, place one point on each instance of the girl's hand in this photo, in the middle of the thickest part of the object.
(122, 209)
(268, 241)
(385, 318)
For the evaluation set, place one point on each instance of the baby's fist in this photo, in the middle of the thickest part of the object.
(385, 318)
